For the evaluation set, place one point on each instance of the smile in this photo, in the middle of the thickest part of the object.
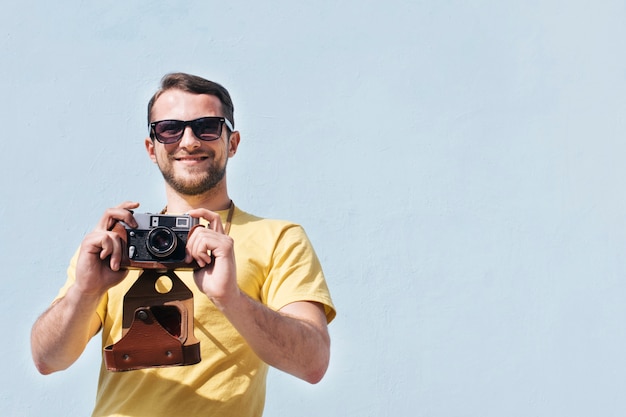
(191, 158)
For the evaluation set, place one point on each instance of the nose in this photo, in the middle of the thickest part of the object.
(189, 140)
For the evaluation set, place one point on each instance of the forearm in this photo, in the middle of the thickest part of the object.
(60, 335)
(283, 340)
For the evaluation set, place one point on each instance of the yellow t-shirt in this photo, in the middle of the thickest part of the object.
(276, 265)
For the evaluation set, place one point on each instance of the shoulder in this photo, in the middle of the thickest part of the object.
(269, 238)
(246, 223)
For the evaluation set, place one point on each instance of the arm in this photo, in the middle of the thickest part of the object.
(294, 339)
(60, 335)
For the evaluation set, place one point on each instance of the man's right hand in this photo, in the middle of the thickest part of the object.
(100, 256)
(61, 333)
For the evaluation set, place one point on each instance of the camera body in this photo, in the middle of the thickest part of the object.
(159, 240)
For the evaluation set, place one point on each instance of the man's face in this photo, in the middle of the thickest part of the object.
(191, 166)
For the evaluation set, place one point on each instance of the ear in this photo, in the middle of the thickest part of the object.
(233, 143)
(150, 149)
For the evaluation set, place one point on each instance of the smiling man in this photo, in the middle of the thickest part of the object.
(260, 296)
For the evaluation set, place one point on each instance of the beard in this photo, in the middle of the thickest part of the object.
(196, 184)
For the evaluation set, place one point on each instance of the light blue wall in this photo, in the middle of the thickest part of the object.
(458, 166)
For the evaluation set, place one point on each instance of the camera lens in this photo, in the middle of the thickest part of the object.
(161, 242)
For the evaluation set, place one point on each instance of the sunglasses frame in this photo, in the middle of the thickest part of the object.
(191, 123)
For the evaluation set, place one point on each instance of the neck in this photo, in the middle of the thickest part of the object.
(213, 200)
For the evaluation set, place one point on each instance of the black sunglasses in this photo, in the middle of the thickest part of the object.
(204, 128)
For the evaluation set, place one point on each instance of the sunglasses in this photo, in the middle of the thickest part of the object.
(204, 128)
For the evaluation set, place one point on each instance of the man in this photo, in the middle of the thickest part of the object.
(260, 296)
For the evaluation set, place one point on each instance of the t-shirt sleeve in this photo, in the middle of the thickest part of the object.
(295, 273)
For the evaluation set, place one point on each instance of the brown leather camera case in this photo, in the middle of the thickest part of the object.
(157, 328)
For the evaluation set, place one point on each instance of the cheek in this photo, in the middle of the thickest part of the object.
(219, 150)
(159, 157)
(160, 153)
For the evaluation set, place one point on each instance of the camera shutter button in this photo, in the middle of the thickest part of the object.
(131, 251)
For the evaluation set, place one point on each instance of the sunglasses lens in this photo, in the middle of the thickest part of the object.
(208, 128)
(169, 131)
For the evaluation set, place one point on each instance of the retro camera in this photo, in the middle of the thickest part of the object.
(157, 327)
(158, 239)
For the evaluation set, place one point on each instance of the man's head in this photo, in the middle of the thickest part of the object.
(190, 139)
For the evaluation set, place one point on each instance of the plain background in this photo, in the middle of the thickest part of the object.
(458, 166)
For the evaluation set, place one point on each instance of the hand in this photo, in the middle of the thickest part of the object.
(100, 256)
(213, 250)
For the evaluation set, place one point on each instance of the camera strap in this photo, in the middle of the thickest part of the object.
(229, 217)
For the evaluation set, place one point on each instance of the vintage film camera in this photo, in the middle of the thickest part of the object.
(159, 241)
(157, 322)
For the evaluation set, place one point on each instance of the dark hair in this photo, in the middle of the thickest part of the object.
(196, 85)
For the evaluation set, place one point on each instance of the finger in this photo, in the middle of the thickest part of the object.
(116, 253)
(203, 257)
(111, 247)
(122, 212)
(199, 246)
(214, 219)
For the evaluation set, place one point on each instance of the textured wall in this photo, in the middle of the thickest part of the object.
(457, 165)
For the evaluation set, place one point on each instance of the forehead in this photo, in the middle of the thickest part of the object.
(181, 105)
